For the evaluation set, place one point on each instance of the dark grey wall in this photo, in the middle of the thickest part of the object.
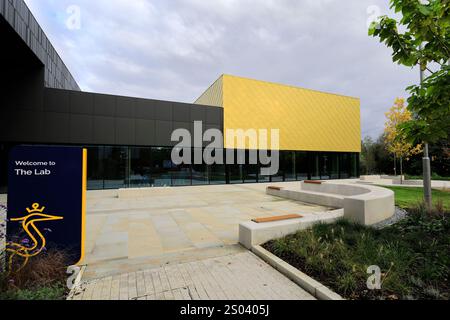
(60, 113)
(74, 117)
(19, 17)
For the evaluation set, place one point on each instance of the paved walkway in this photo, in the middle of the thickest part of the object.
(241, 276)
(174, 225)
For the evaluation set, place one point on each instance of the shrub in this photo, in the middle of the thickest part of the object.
(55, 292)
(44, 277)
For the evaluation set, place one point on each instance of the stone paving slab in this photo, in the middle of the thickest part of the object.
(241, 276)
(113, 267)
(176, 220)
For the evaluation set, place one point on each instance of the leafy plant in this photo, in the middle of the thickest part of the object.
(426, 41)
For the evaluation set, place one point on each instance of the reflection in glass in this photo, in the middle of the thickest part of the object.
(301, 167)
(344, 166)
(115, 161)
(262, 178)
(141, 165)
(122, 167)
(324, 163)
(161, 166)
(199, 173)
(250, 169)
(287, 165)
(314, 166)
(217, 172)
(181, 174)
(354, 165)
(334, 165)
(95, 168)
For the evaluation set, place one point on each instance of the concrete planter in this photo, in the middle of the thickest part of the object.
(307, 283)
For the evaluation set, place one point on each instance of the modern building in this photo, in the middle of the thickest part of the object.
(129, 139)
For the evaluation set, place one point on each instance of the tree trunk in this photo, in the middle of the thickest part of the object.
(427, 195)
(395, 165)
(427, 180)
(401, 170)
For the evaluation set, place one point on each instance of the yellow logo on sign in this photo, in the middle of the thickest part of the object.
(38, 241)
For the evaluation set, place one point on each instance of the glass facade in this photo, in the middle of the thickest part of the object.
(133, 167)
(112, 167)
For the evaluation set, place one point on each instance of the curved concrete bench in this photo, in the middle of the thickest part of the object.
(361, 203)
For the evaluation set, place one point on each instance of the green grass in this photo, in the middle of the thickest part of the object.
(433, 177)
(55, 292)
(407, 197)
(413, 256)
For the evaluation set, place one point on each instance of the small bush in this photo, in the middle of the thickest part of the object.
(44, 277)
(55, 292)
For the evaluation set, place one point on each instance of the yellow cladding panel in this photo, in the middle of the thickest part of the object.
(308, 120)
(214, 95)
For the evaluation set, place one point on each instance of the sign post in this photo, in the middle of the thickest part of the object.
(46, 202)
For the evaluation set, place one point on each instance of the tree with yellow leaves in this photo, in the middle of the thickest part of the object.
(395, 141)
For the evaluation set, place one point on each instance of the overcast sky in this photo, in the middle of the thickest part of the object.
(174, 49)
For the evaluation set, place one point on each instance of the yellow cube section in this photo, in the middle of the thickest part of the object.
(308, 120)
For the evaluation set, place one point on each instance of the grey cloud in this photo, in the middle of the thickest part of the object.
(175, 49)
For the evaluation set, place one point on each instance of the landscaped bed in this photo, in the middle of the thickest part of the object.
(43, 278)
(413, 255)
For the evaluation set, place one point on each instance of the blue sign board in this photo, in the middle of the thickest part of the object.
(46, 201)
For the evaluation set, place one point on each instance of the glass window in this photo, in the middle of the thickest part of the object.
(314, 166)
(141, 165)
(95, 168)
(250, 172)
(344, 165)
(354, 165)
(199, 172)
(181, 174)
(115, 164)
(235, 173)
(287, 165)
(279, 176)
(324, 163)
(217, 172)
(161, 166)
(251, 168)
(235, 170)
(263, 178)
(301, 165)
(334, 165)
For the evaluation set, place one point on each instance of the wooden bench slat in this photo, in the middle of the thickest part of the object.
(278, 218)
(312, 182)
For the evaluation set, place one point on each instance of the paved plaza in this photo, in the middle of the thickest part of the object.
(182, 243)
(174, 225)
(241, 276)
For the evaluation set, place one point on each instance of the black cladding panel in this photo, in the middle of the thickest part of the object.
(87, 118)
